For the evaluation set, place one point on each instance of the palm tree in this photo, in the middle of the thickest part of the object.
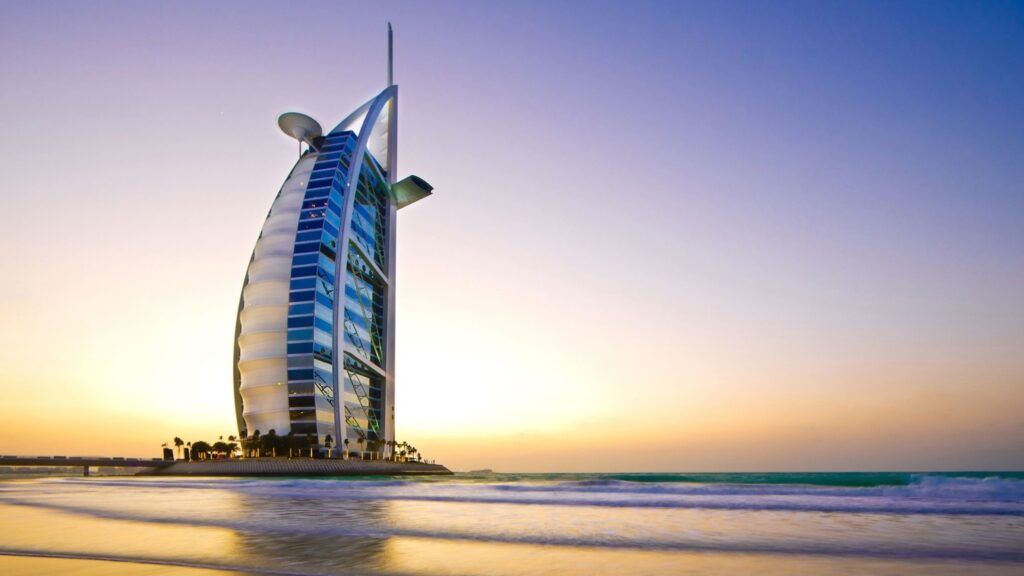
(309, 443)
(345, 442)
(327, 443)
(271, 440)
(178, 443)
(256, 443)
(360, 440)
(231, 447)
(220, 447)
(201, 448)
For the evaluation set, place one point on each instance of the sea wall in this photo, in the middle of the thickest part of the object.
(296, 467)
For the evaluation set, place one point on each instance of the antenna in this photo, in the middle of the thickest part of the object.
(391, 61)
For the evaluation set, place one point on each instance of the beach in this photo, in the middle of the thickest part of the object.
(515, 525)
(28, 565)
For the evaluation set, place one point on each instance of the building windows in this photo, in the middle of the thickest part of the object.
(304, 259)
(370, 212)
(301, 348)
(364, 310)
(301, 402)
(300, 322)
(303, 428)
(295, 374)
(308, 236)
(303, 283)
(363, 387)
(303, 296)
(314, 285)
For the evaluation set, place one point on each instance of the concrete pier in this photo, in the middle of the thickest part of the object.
(236, 467)
(84, 461)
(296, 467)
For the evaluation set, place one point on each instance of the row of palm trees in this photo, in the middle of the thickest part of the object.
(271, 445)
(376, 450)
(202, 450)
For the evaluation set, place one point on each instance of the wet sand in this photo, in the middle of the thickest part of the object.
(42, 566)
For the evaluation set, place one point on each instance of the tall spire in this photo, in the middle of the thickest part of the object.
(391, 61)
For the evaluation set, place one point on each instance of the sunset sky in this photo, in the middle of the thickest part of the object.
(664, 236)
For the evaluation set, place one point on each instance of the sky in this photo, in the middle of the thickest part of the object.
(675, 236)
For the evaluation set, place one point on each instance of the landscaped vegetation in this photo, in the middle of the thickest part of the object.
(271, 445)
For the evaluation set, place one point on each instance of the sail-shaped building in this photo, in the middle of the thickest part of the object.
(314, 349)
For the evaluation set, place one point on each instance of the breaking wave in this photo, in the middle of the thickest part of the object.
(922, 494)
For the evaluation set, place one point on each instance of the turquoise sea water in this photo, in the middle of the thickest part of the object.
(861, 479)
(716, 523)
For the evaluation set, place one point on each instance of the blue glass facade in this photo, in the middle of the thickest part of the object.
(313, 290)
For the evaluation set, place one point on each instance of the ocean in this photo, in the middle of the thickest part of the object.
(518, 524)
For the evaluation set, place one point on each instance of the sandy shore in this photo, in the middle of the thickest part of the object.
(25, 565)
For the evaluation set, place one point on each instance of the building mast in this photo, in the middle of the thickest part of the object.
(391, 69)
(388, 417)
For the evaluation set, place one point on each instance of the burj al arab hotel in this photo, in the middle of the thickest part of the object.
(314, 349)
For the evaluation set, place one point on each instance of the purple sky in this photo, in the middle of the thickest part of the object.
(697, 236)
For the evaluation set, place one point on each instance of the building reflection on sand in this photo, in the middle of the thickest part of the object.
(333, 551)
